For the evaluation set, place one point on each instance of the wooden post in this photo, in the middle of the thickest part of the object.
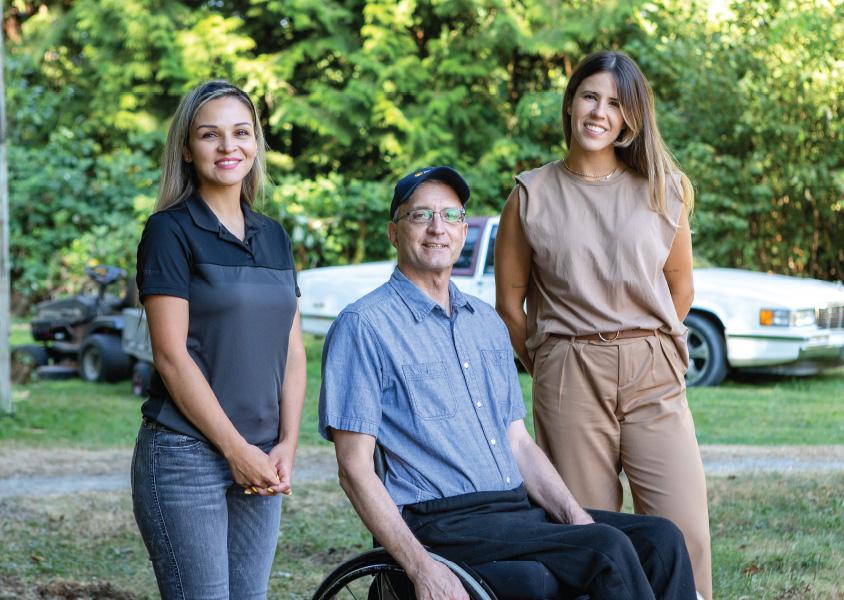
(6, 407)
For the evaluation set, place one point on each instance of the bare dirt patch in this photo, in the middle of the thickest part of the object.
(56, 471)
(55, 462)
(61, 589)
(316, 463)
(50, 472)
(731, 460)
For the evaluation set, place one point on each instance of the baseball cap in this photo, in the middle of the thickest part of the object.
(408, 184)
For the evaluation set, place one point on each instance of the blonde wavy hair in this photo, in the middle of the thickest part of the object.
(640, 145)
(178, 177)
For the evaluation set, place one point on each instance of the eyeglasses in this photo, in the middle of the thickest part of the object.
(420, 216)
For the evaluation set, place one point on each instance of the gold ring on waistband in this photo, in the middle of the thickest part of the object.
(603, 339)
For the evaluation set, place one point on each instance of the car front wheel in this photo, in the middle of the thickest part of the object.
(707, 352)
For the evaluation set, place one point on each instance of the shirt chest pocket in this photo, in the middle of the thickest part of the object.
(430, 390)
(498, 364)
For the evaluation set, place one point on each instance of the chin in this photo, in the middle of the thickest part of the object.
(594, 145)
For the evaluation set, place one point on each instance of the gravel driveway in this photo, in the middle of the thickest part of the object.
(27, 471)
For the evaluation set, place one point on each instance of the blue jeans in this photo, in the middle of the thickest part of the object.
(206, 539)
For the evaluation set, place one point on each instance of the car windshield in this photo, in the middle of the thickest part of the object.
(489, 267)
(465, 260)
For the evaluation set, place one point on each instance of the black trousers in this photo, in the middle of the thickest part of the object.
(621, 556)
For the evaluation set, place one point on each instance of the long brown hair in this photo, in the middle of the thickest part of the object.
(178, 177)
(640, 145)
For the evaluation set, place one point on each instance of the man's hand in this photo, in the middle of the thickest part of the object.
(578, 516)
(435, 581)
(432, 580)
(544, 485)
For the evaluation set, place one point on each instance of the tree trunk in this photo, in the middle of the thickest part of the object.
(5, 287)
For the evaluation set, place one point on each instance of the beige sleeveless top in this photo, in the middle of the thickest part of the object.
(598, 254)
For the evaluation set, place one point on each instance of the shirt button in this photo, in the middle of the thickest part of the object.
(465, 365)
(479, 404)
(492, 442)
(507, 479)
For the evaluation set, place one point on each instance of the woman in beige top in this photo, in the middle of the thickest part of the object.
(599, 246)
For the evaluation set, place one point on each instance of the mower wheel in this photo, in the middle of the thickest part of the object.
(25, 360)
(101, 358)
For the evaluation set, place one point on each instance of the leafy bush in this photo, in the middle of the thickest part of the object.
(355, 94)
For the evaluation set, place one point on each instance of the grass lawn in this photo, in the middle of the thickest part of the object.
(95, 416)
(19, 333)
(773, 411)
(774, 537)
(72, 413)
(769, 411)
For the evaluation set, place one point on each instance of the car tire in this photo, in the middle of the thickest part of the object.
(141, 378)
(25, 360)
(707, 352)
(101, 358)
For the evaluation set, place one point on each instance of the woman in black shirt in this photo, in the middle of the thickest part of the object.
(221, 423)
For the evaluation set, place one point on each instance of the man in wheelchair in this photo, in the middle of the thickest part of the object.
(427, 373)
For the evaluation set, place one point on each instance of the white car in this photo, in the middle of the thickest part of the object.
(739, 319)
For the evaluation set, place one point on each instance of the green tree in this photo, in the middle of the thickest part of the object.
(758, 124)
(355, 93)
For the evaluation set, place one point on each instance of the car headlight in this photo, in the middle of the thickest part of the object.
(781, 317)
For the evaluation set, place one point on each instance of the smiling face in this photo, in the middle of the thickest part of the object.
(221, 143)
(428, 248)
(595, 113)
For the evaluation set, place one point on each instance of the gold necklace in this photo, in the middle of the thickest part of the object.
(578, 173)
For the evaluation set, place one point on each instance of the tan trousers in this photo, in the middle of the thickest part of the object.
(603, 407)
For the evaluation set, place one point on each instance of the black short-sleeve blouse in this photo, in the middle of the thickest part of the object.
(241, 301)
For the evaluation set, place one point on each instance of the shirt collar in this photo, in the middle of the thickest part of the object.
(420, 304)
(205, 218)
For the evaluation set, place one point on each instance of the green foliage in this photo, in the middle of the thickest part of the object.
(72, 203)
(354, 94)
(752, 104)
(331, 219)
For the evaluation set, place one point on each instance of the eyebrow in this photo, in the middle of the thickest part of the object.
(247, 123)
(412, 208)
(598, 94)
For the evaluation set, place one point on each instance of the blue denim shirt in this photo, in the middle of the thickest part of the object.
(438, 392)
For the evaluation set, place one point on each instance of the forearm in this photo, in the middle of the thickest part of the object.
(195, 399)
(512, 276)
(515, 319)
(678, 270)
(168, 317)
(682, 300)
(293, 395)
(381, 516)
(543, 484)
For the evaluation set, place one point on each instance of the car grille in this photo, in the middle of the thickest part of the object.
(831, 317)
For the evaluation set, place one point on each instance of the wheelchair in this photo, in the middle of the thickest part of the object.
(375, 575)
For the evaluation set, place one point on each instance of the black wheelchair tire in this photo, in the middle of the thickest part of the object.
(378, 562)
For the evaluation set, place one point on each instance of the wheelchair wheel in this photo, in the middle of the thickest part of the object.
(376, 576)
